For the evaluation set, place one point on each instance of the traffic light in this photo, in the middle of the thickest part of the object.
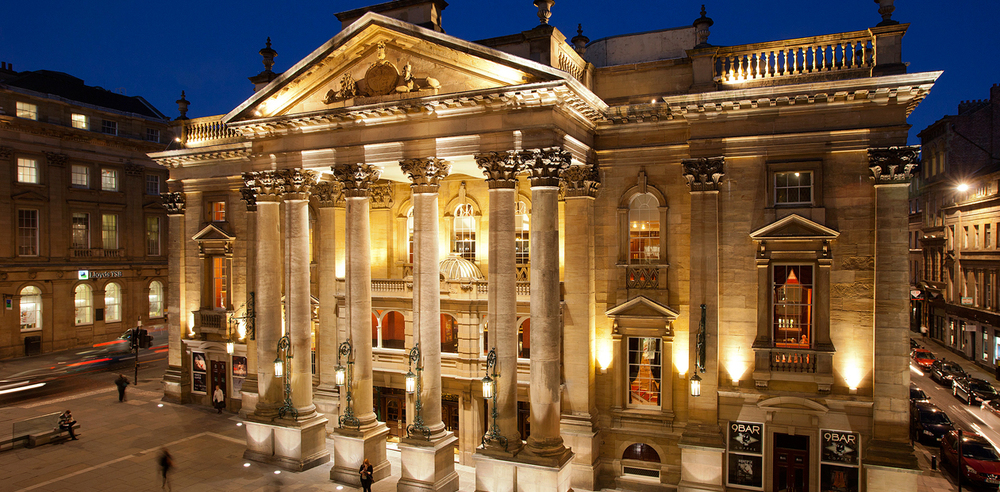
(145, 340)
(133, 339)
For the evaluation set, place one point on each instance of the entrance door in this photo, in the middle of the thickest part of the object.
(218, 378)
(392, 406)
(791, 463)
(449, 414)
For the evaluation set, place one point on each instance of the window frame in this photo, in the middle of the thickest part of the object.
(109, 179)
(158, 302)
(153, 236)
(28, 171)
(31, 241)
(815, 167)
(38, 308)
(788, 187)
(73, 174)
(651, 240)
(152, 132)
(80, 121)
(113, 309)
(26, 110)
(85, 229)
(109, 127)
(110, 232)
(810, 306)
(465, 213)
(87, 305)
(522, 233)
(629, 376)
(153, 180)
(216, 213)
(220, 275)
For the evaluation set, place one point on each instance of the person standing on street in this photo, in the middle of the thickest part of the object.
(366, 476)
(166, 463)
(122, 383)
(219, 399)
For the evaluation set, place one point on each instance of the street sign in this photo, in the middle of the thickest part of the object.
(83, 274)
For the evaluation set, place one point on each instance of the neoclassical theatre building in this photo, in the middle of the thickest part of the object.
(644, 262)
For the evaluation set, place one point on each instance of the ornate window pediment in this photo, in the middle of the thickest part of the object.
(794, 228)
(213, 240)
(642, 307)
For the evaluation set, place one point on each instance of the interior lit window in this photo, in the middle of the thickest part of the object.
(792, 305)
(644, 229)
(218, 211)
(81, 230)
(27, 110)
(155, 299)
(112, 303)
(80, 176)
(793, 188)
(84, 305)
(27, 171)
(644, 371)
(31, 308)
(522, 234)
(81, 121)
(465, 232)
(109, 180)
(220, 283)
(109, 231)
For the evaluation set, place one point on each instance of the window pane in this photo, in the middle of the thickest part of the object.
(27, 170)
(153, 236)
(155, 299)
(465, 232)
(792, 305)
(27, 232)
(644, 371)
(109, 180)
(793, 188)
(83, 303)
(81, 121)
(109, 231)
(152, 185)
(81, 231)
(109, 127)
(220, 277)
(31, 308)
(218, 211)
(27, 110)
(644, 229)
(153, 135)
(112, 303)
(81, 176)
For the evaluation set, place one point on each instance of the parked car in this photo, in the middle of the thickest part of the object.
(917, 394)
(922, 357)
(973, 390)
(980, 463)
(944, 372)
(992, 406)
(928, 422)
(913, 344)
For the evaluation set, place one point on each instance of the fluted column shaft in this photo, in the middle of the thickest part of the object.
(501, 170)
(329, 339)
(298, 309)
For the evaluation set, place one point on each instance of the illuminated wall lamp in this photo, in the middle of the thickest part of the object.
(696, 385)
(230, 348)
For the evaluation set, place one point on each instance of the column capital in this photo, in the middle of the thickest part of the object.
(267, 185)
(356, 179)
(893, 165)
(173, 203)
(249, 195)
(327, 192)
(296, 183)
(704, 173)
(545, 165)
(426, 173)
(501, 168)
(581, 181)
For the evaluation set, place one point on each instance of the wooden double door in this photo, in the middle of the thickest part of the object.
(791, 463)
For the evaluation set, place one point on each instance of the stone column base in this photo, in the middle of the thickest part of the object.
(351, 447)
(494, 473)
(701, 469)
(292, 445)
(327, 401)
(499, 473)
(428, 465)
(578, 434)
(176, 385)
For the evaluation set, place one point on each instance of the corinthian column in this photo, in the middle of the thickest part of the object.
(176, 380)
(298, 309)
(367, 440)
(249, 390)
(427, 465)
(327, 395)
(501, 169)
(545, 444)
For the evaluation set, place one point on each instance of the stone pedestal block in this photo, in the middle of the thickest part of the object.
(533, 477)
(351, 447)
(326, 397)
(495, 474)
(428, 465)
(701, 468)
(176, 385)
(292, 445)
(579, 435)
(886, 479)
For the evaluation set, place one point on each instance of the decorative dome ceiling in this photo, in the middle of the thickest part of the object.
(454, 267)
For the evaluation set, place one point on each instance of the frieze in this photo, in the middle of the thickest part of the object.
(893, 165)
(425, 173)
(501, 168)
(705, 173)
(356, 179)
(173, 203)
(581, 181)
(546, 165)
(56, 159)
(382, 78)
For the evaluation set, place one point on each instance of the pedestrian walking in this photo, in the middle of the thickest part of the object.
(166, 463)
(219, 399)
(366, 476)
(66, 423)
(122, 383)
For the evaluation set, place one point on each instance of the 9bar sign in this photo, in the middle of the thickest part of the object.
(840, 447)
(746, 437)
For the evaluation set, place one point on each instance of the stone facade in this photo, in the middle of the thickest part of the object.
(687, 250)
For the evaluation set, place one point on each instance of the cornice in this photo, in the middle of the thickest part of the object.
(67, 134)
(204, 155)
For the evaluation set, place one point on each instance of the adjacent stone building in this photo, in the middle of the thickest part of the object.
(86, 249)
(644, 262)
(954, 221)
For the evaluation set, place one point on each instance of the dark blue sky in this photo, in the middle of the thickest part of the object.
(208, 49)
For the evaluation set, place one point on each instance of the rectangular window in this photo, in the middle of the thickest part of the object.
(81, 176)
(109, 231)
(152, 134)
(27, 110)
(986, 345)
(153, 236)
(220, 281)
(644, 372)
(965, 237)
(27, 232)
(987, 236)
(975, 236)
(81, 230)
(109, 180)
(218, 211)
(81, 121)
(792, 305)
(109, 127)
(152, 185)
(793, 188)
(27, 170)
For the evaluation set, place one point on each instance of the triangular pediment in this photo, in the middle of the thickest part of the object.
(792, 404)
(212, 233)
(385, 60)
(794, 228)
(642, 307)
(29, 196)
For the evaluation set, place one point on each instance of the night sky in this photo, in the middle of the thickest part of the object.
(208, 49)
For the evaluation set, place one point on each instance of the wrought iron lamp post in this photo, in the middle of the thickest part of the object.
(281, 363)
(489, 391)
(699, 365)
(249, 319)
(344, 376)
(414, 384)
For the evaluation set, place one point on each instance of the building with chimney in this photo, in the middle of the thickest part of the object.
(643, 262)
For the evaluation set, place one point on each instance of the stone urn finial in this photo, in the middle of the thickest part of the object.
(580, 41)
(886, 7)
(182, 107)
(544, 10)
(701, 31)
(268, 55)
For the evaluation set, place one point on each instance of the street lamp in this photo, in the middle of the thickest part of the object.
(413, 385)
(343, 376)
(282, 360)
(695, 385)
(489, 391)
(699, 362)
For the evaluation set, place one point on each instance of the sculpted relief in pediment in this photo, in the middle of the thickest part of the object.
(382, 78)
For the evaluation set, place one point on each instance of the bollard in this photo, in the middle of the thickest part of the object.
(933, 462)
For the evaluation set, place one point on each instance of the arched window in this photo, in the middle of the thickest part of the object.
(465, 232)
(524, 339)
(522, 229)
(409, 236)
(112, 303)
(449, 334)
(644, 229)
(641, 460)
(641, 452)
(31, 308)
(393, 331)
(84, 304)
(155, 299)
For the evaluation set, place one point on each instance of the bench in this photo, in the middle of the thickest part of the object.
(40, 430)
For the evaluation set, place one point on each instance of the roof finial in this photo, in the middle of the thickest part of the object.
(580, 41)
(885, 7)
(544, 10)
(182, 107)
(268, 55)
(701, 31)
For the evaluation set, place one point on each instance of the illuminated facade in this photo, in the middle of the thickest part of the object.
(624, 223)
(86, 248)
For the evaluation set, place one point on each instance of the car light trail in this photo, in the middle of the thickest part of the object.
(914, 369)
(95, 361)
(21, 388)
